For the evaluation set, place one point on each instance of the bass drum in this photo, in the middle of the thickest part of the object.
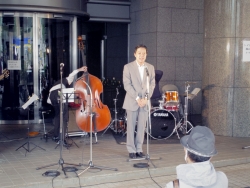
(163, 123)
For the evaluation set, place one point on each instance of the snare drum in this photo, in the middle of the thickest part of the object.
(171, 106)
(171, 96)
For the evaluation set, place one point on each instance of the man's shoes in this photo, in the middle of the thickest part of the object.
(140, 154)
(132, 155)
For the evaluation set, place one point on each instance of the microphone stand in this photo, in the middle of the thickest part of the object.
(91, 164)
(147, 156)
(62, 134)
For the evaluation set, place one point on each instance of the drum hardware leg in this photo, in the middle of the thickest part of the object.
(186, 122)
(124, 134)
(110, 126)
(176, 128)
(113, 127)
(28, 142)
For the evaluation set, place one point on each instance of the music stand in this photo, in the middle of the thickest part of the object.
(147, 156)
(68, 95)
(26, 106)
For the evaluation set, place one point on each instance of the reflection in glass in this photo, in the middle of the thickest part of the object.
(16, 34)
(53, 49)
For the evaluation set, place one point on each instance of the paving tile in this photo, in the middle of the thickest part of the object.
(15, 167)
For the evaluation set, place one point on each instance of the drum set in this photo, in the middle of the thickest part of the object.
(166, 119)
(169, 117)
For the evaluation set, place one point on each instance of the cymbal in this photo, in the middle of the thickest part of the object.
(187, 82)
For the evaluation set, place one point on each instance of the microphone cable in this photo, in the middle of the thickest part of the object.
(152, 177)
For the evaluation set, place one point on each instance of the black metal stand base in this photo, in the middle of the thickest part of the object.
(147, 157)
(92, 166)
(61, 163)
(46, 136)
(246, 147)
(28, 147)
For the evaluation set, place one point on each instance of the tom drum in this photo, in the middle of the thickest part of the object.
(171, 96)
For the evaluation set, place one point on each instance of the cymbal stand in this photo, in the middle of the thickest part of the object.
(28, 142)
(147, 156)
(62, 134)
(114, 121)
(186, 126)
(91, 164)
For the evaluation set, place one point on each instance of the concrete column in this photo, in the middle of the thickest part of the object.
(225, 77)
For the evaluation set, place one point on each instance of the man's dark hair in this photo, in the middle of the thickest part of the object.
(141, 46)
(197, 158)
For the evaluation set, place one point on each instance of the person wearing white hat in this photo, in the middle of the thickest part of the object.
(199, 148)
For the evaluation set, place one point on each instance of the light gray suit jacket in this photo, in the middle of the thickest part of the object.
(134, 86)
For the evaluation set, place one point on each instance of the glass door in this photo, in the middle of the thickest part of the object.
(53, 49)
(32, 46)
(16, 66)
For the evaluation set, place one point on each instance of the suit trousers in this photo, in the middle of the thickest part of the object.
(134, 144)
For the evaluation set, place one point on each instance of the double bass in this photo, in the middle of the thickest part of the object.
(90, 107)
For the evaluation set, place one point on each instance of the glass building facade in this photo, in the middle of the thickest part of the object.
(34, 41)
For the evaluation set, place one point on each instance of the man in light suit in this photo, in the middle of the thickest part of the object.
(135, 84)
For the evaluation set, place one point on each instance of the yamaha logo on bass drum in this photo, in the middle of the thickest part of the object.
(161, 114)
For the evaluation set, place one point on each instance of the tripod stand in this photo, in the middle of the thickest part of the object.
(91, 164)
(184, 125)
(147, 156)
(26, 106)
(62, 134)
(115, 121)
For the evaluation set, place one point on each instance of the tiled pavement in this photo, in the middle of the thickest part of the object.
(18, 170)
